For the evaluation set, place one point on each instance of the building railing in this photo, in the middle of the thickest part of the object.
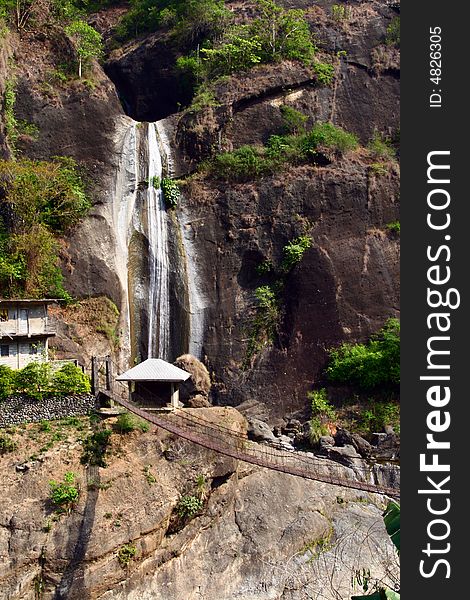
(7, 332)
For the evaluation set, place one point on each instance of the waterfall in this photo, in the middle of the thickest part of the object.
(159, 276)
(163, 304)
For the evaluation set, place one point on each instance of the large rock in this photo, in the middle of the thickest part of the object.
(199, 384)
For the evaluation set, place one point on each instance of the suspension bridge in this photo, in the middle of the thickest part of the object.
(193, 427)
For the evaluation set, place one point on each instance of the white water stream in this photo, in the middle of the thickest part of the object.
(159, 276)
(149, 217)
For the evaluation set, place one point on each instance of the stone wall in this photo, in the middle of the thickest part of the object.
(22, 409)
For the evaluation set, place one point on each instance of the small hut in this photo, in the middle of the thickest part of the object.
(154, 383)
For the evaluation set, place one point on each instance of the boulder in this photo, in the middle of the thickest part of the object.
(260, 431)
(199, 384)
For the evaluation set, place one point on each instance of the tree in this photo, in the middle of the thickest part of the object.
(87, 41)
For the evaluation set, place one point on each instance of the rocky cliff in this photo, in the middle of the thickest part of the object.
(347, 284)
(259, 534)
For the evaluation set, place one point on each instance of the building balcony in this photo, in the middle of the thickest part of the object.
(45, 331)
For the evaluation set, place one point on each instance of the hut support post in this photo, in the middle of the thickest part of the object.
(174, 395)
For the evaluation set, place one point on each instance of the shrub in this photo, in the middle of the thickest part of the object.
(327, 135)
(317, 429)
(70, 379)
(294, 251)
(95, 447)
(7, 377)
(265, 322)
(294, 121)
(378, 415)
(171, 192)
(339, 12)
(369, 365)
(65, 494)
(381, 147)
(321, 410)
(265, 267)
(325, 73)
(126, 553)
(242, 164)
(320, 404)
(238, 53)
(392, 37)
(34, 379)
(188, 506)
(7, 444)
(394, 227)
(128, 422)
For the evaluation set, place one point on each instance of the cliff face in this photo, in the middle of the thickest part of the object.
(259, 535)
(347, 284)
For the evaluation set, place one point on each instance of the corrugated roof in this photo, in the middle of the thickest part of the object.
(154, 369)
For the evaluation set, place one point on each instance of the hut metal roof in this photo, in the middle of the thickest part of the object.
(154, 369)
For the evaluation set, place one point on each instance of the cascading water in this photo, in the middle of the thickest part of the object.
(163, 306)
(159, 276)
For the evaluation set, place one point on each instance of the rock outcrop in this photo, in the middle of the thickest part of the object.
(258, 535)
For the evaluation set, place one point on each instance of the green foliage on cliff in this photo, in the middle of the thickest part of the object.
(87, 42)
(191, 21)
(393, 33)
(39, 201)
(368, 365)
(249, 162)
(294, 252)
(171, 192)
(322, 411)
(188, 506)
(64, 494)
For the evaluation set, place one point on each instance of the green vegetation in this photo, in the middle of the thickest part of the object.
(325, 73)
(265, 323)
(126, 553)
(149, 476)
(7, 444)
(294, 121)
(392, 37)
(377, 416)
(381, 148)
(86, 41)
(188, 506)
(65, 494)
(294, 251)
(368, 365)
(249, 162)
(38, 379)
(95, 447)
(394, 226)
(322, 412)
(70, 379)
(41, 200)
(171, 192)
(340, 12)
(7, 378)
(215, 44)
(127, 422)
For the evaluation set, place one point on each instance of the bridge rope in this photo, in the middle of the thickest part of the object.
(224, 440)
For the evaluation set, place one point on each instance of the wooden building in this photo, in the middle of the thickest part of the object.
(24, 331)
(154, 383)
